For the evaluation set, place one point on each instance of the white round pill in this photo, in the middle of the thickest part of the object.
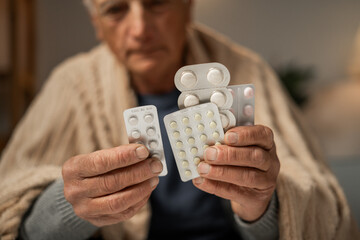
(191, 100)
(218, 98)
(176, 134)
(188, 131)
(133, 120)
(150, 131)
(224, 120)
(194, 150)
(197, 117)
(201, 127)
(148, 118)
(188, 173)
(191, 141)
(135, 134)
(205, 146)
(173, 125)
(215, 76)
(203, 137)
(216, 135)
(210, 114)
(248, 92)
(248, 110)
(153, 144)
(156, 155)
(188, 79)
(196, 160)
(185, 120)
(218, 143)
(185, 164)
(213, 125)
(179, 144)
(181, 154)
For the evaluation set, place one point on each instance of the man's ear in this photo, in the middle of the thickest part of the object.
(98, 27)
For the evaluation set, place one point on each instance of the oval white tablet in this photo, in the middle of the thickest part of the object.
(150, 131)
(148, 118)
(188, 79)
(133, 120)
(248, 92)
(248, 110)
(218, 98)
(215, 76)
(224, 120)
(153, 144)
(191, 100)
(135, 134)
(196, 161)
(185, 164)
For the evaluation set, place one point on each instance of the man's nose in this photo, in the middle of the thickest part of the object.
(137, 20)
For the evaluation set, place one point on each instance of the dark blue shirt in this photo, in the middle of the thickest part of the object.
(180, 210)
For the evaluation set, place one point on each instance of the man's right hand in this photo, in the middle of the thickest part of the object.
(110, 186)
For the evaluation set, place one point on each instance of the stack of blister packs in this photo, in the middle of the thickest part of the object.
(208, 107)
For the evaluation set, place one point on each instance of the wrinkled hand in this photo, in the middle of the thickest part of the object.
(244, 170)
(110, 186)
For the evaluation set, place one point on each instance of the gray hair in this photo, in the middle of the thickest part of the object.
(89, 4)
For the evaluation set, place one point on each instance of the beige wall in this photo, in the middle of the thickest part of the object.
(311, 33)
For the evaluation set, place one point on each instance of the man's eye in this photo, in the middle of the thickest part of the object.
(156, 3)
(117, 10)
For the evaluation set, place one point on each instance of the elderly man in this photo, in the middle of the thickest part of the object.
(111, 190)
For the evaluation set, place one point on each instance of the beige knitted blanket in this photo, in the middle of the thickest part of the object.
(79, 110)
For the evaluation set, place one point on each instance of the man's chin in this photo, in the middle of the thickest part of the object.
(144, 66)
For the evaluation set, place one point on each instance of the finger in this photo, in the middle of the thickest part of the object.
(119, 179)
(240, 176)
(252, 156)
(231, 191)
(105, 220)
(103, 161)
(117, 202)
(250, 135)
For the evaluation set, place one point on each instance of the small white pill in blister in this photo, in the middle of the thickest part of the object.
(182, 154)
(179, 144)
(191, 141)
(185, 164)
(215, 76)
(133, 120)
(224, 120)
(185, 120)
(188, 79)
(153, 144)
(173, 125)
(188, 131)
(213, 125)
(191, 100)
(249, 92)
(203, 137)
(148, 118)
(218, 143)
(197, 117)
(210, 114)
(194, 150)
(196, 161)
(218, 98)
(216, 135)
(150, 131)
(248, 110)
(201, 127)
(188, 173)
(176, 134)
(136, 134)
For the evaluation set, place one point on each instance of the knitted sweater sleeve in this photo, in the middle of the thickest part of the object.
(45, 138)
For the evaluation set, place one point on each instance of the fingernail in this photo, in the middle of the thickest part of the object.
(154, 181)
(231, 137)
(199, 180)
(203, 168)
(142, 152)
(211, 154)
(156, 166)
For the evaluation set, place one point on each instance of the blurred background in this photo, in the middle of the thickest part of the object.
(314, 46)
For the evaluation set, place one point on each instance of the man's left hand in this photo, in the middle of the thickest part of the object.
(244, 170)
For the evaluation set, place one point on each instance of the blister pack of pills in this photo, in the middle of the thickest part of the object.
(191, 131)
(202, 83)
(243, 106)
(142, 126)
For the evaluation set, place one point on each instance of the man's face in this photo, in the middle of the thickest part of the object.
(147, 35)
